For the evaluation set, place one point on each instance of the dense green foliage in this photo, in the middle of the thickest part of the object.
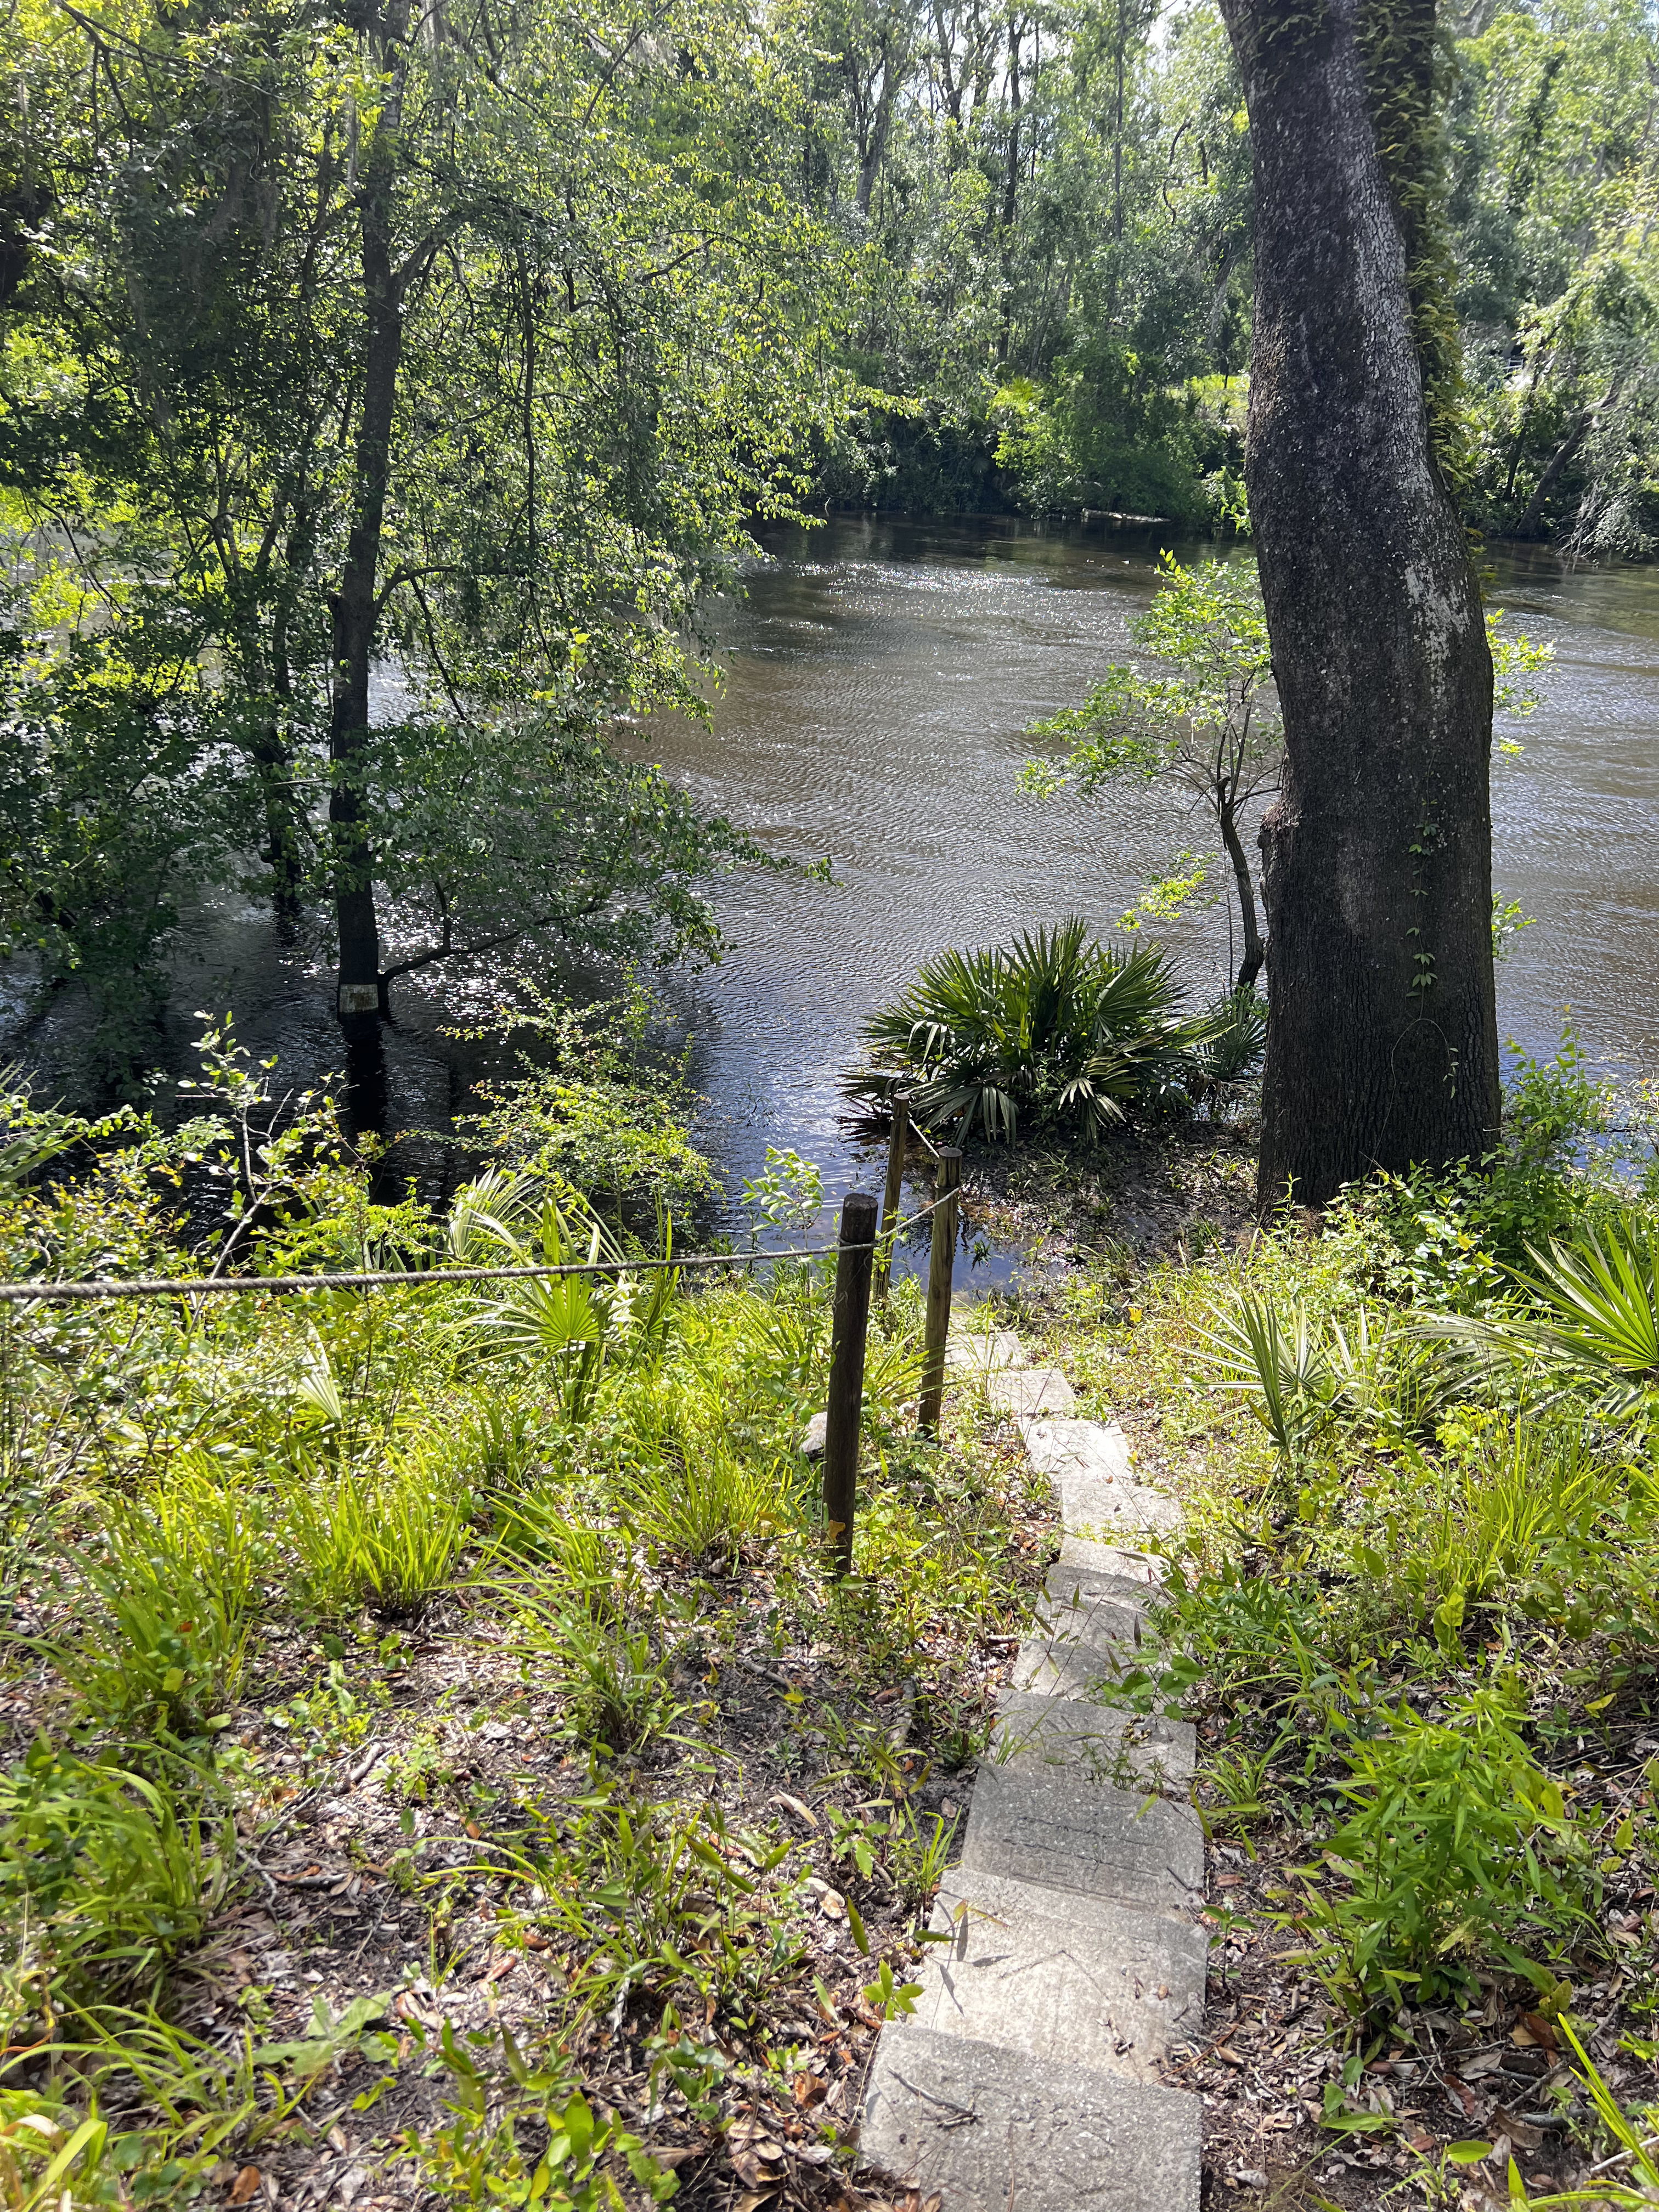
(380, 401)
(1055, 209)
(379, 398)
(257, 1547)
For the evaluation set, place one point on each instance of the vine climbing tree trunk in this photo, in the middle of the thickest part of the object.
(1382, 1049)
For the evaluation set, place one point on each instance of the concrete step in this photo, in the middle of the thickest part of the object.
(988, 2128)
(982, 1352)
(1031, 1391)
(1088, 1628)
(1145, 1568)
(1064, 1978)
(1088, 1463)
(1125, 1749)
(1052, 1822)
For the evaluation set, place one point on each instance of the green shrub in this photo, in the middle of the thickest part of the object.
(1456, 1842)
(387, 1541)
(1505, 1502)
(597, 1108)
(115, 1872)
(617, 1691)
(160, 1622)
(706, 1506)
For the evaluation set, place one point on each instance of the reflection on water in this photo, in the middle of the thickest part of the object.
(880, 675)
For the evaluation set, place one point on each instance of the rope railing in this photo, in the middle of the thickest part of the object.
(856, 1253)
(44, 1290)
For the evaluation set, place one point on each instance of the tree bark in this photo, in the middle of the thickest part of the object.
(1383, 1047)
(355, 610)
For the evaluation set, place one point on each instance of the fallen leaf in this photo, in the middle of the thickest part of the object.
(1522, 2037)
(1420, 2139)
(754, 2135)
(833, 1905)
(1481, 2062)
(1540, 2030)
(1465, 2096)
(808, 2089)
(1520, 2132)
(1227, 2058)
(244, 2185)
(801, 1811)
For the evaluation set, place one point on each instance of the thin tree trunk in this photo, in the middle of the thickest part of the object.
(1250, 966)
(1383, 1049)
(1567, 450)
(355, 609)
(875, 148)
(1011, 187)
(1117, 135)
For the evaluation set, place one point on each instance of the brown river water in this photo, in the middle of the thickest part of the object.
(880, 675)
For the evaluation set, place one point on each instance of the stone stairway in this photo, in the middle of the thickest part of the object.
(1027, 2078)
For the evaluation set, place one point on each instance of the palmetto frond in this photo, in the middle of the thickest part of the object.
(1599, 1324)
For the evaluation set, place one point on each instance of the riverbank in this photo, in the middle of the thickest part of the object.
(434, 1741)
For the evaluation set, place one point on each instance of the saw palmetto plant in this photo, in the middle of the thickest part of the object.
(1052, 1029)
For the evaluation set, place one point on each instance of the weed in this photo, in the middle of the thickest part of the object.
(706, 1507)
(617, 1692)
(119, 1873)
(594, 1562)
(329, 1719)
(153, 1644)
(389, 1541)
(1455, 1837)
(564, 2167)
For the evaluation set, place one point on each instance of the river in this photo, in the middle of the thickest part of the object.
(880, 675)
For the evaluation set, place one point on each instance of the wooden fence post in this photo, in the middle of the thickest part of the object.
(853, 1262)
(940, 1266)
(897, 1144)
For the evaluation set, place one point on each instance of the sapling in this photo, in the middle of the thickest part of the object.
(1208, 722)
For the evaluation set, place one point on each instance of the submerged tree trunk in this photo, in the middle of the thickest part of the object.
(1382, 1049)
(355, 609)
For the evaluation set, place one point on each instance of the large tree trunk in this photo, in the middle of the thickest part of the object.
(1383, 1047)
